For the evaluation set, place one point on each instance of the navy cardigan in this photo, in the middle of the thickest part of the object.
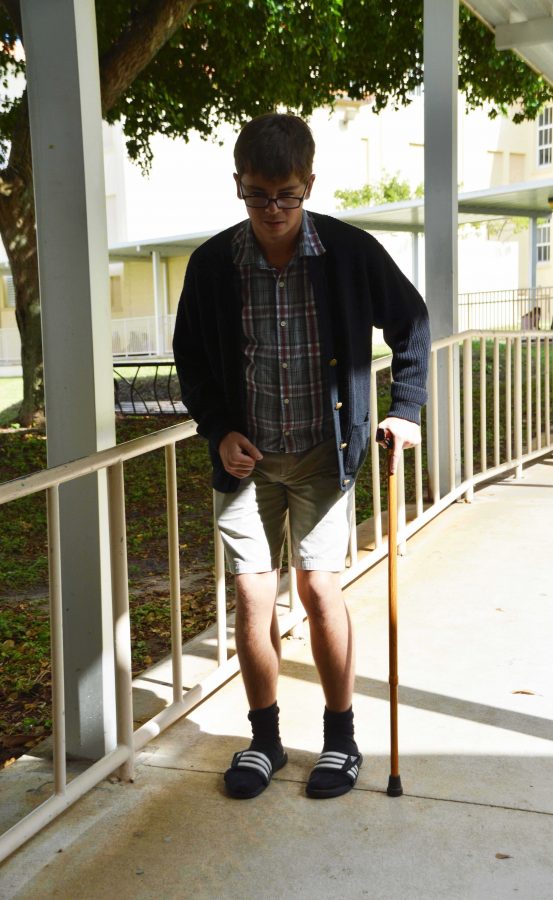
(357, 285)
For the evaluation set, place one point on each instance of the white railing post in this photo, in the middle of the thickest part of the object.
(220, 591)
(435, 429)
(547, 391)
(538, 393)
(529, 410)
(56, 639)
(174, 568)
(451, 415)
(401, 512)
(375, 464)
(518, 406)
(496, 423)
(508, 399)
(121, 615)
(483, 407)
(419, 500)
(352, 543)
(467, 416)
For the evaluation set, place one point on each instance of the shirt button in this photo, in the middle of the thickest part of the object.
(281, 284)
(287, 433)
(284, 365)
(333, 362)
(283, 323)
(286, 400)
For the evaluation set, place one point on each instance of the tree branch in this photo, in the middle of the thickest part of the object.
(12, 9)
(138, 45)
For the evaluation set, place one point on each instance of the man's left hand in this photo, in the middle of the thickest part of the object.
(404, 435)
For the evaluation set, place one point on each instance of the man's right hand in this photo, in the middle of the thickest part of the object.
(238, 454)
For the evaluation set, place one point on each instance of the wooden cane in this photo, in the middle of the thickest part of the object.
(395, 788)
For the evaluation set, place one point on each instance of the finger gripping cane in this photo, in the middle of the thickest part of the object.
(394, 782)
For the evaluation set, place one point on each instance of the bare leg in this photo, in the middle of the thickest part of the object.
(331, 635)
(257, 638)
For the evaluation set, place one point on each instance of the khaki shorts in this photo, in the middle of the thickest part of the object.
(252, 521)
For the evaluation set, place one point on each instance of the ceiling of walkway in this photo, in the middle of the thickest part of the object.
(525, 26)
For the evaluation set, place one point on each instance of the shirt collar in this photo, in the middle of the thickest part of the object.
(247, 252)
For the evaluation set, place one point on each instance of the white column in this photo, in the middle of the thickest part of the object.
(167, 348)
(65, 118)
(415, 258)
(441, 40)
(533, 254)
(157, 274)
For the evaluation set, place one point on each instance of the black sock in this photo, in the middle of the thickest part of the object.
(266, 732)
(338, 732)
(246, 782)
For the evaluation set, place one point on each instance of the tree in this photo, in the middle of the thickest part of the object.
(390, 189)
(172, 66)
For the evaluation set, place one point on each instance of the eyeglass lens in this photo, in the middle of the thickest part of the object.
(281, 202)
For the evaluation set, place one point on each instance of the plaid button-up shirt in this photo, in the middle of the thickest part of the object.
(286, 384)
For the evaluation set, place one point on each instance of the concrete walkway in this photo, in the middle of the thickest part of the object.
(476, 749)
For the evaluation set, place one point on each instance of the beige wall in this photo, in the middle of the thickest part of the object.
(7, 313)
(176, 267)
(134, 295)
(132, 290)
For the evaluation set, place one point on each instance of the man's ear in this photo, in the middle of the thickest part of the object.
(238, 188)
(309, 186)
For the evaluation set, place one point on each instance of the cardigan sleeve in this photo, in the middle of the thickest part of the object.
(200, 391)
(402, 314)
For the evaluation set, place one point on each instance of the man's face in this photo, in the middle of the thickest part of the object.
(274, 227)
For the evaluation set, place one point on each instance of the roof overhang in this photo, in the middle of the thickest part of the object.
(178, 245)
(529, 199)
(524, 26)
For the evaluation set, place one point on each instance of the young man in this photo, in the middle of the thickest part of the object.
(273, 349)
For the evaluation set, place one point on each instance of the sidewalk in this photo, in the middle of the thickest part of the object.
(476, 749)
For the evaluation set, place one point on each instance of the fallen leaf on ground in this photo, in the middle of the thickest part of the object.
(530, 693)
(503, 856)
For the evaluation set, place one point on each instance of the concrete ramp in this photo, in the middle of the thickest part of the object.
(476, 749)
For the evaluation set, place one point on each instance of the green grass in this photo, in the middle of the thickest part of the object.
(11, 395)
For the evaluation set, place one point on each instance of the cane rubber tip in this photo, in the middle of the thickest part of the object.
(394, 786)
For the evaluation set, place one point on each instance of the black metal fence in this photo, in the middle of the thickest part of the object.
(523, 309)
(147, 389)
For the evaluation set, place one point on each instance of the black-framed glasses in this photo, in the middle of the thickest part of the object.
(259, 200)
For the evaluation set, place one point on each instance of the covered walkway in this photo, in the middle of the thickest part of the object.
(476, 748)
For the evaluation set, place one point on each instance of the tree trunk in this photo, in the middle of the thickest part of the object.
(136, 47)
(17, 227)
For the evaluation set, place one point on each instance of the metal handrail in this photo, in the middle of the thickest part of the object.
(530, 382)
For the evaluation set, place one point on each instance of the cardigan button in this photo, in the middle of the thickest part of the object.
(343, 445)
(333, 362)
(346, 481)
(338, 405)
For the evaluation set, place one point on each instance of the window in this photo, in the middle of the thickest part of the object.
(543, 241)
(416, 91)
(545, 137)
(10, 292)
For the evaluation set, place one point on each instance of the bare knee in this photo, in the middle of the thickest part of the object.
(320, 592)
(256, 596)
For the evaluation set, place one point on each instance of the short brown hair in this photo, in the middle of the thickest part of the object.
(275, 145)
